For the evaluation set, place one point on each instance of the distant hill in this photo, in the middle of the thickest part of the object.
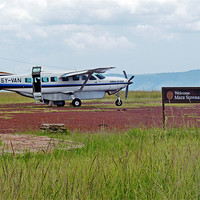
(148, 82)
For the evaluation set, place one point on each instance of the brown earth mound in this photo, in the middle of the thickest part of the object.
(22, 143)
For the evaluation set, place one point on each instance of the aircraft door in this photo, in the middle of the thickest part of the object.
(36, 71)
(36, 85)
(36, 75)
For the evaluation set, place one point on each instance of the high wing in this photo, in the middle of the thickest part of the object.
(89, 71)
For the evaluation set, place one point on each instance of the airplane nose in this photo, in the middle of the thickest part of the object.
(130, 82)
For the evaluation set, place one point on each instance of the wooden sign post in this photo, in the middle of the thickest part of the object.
(179, 95)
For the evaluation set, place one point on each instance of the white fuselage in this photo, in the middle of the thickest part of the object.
(55, 88)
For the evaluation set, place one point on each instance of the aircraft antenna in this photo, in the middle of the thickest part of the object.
(33, 64)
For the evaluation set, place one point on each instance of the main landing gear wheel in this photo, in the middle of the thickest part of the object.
(61, 104)
(76, 102)
(118, 102)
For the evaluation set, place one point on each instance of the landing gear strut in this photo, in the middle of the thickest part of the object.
(118, 102)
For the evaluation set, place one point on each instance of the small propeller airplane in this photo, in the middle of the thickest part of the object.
(55, 88)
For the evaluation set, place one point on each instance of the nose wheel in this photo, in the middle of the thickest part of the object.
(118, 102)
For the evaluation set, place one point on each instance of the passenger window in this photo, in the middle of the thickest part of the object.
(45, 79)
(84, 77)
(76, 78)
(92, 78)
(54, 79)
(65, 79)
(27, 80)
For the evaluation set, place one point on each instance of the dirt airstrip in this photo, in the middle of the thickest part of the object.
(90, 118)
(22, 118)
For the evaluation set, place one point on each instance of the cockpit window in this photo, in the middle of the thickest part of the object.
(100, 76)
(92, 78)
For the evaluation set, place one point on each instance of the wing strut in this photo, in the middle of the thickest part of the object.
(86, 80)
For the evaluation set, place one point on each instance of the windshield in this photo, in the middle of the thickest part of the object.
(100, 76)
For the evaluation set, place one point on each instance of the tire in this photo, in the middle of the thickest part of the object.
(46, 101)
(118, 102)
(60, 103)
(76, 102)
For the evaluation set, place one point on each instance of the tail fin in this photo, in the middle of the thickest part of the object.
(5, 74)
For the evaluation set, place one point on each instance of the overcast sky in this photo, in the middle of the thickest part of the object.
(140, 36)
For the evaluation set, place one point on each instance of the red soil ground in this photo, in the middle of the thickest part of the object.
(88, 118)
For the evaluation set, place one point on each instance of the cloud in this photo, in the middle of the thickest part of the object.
(84, 40)
(2, 5)
(76, 22)
(101, 12)
(117, 30)
(152, 32)
(24, 35)
(193, 26)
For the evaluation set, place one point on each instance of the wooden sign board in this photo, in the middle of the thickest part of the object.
(179, 95)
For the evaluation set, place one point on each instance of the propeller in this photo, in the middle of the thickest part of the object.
(129, 82)
(125, 75)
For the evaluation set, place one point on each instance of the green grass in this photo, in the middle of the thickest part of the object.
(7, 116)
(139, 164)
(135, 99)
(10, 97)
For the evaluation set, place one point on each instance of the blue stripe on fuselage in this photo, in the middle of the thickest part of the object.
(2, 86)
(75, 85)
